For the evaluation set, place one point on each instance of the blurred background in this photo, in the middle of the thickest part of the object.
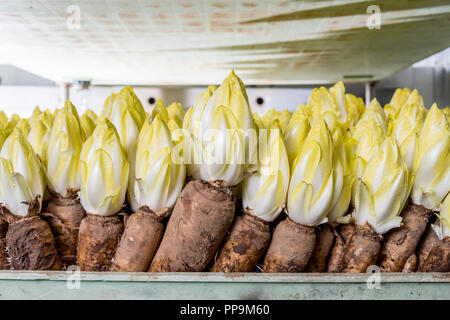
(52, 50)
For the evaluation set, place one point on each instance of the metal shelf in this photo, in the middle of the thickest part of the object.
(205, 285)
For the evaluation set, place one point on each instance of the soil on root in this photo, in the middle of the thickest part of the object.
(140, 240)
(439, 258)
(4, 264)
(291, 247)
(343, 235)
(31, 245)
(324, 242)
(64, 216)
(400, 243)
(242, 250)
(410, 264)
(97, 242)
(362, 250)
(429, 241)
(202, 215)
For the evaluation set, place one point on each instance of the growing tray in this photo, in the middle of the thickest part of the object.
(205, 285)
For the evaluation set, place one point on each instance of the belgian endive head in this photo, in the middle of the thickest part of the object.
(104, 171)
(159, 177)
(407, 128)
(63, 152)
(382, 190)
(264, 192)
(343, 179)
(224, 123)
(39, 135)
(432, 180)
(22, 179)
(311, 186)
(127, 114)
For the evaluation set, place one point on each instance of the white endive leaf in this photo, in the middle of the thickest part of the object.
(311, 186)
(382, 190)
(104, 171)
(338, 92)
(40, 134)
(25, 166)
(191, 124)
(159, 180)
(224, 122)
(432, 178)
(264, 192)
(296, 133)
(15, 194)
(223, 149)
(342, 180)
(63, 152)
(125, 111)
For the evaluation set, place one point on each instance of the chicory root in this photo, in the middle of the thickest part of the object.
(410, 264)
(324, 242)
(97, 242)
(4, 265)
(291, 247)
(439, 258)
(362, 250)
(244, 247)
(400, 243)
(31, 245)
(343, 235)
(64, 215)
(429, 241)
(143, 232)
(202, 215)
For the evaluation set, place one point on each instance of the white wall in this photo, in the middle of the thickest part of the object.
(23, 99)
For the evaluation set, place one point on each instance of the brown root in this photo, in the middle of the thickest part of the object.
(31, 245)
(97, 242)
(242, 250)
(64, 216)
(324, 243)
(291, 247)
(439, 258)
(343, 235)
(400, 243)
(429, 241)
(143, 232)
(202, 215)
(4, 264)
(410, 264)
(362, 250)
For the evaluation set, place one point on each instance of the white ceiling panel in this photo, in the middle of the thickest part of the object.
(186, 42)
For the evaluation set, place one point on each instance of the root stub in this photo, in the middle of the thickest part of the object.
(202, 215)
(429, 241)
(139, 242)
(4, 265)
(362, 250)
(97, 242)
(242, 250)
(410, 264)
(31, 245)
(291, 247)
(64, 216)
(400, 243)
(439, 258)
(324, 242)
(343, 235)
